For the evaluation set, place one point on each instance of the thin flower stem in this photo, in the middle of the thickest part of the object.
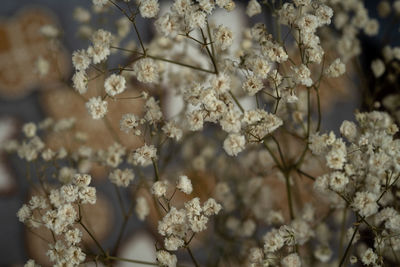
(237, 102)
(349, 245)
(132, 19)
(273, 156)
(289, 195)
(156, 173)
(111, 130)
(319, 111)
(209, 53)
(305, 174)
(209, 35)
(120, 202)
(93, 238)
(133, 261)
(180, 64)
(342, 230)
(280, 151)
(192, 257)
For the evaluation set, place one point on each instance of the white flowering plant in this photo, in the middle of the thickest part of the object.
(237, 161)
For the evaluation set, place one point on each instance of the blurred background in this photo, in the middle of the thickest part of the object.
(28, 95)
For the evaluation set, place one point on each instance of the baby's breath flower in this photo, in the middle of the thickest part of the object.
(378, 67)
(149, 8)
(144, 155)
(159, 188)
(80, 82)
(292, 260)
(223, 37)
(29, 129)
(97, 107)
(172, 131)
(252, 85)
(166, 259)
(234, 144)
(253, 8)
(122, 177)
(115, 84)
(80, 60)
(336, 69)
(184, 184)
(365, 203)
(146, 70)
(129, 122)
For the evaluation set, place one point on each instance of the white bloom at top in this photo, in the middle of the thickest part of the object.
(230, 121)
(207, 5)
(159, 188)
(253, 8)
(80, 60)
(260, 66)
(115, 84)
(128, 123)
(99, 3)
(98, 53)
(82, 180)
(166, 259)
(81, 15)
(153, 111)
(122, 177)
(336, 69)
(149, 8)
(378, 67)
(172, 131)
(302, 2)
(29, 129)
(234, 144)
(184, 184)
(102, 38)
(182, 6)
(223, 37)
(338, 181)
(221, 83)
(308, 23)
(371, 27)
(349, 130)
(146, 70)
(197, 19)
(365, 203)
(144, 155)
(252, 85)
(211, 207)
(24, 213)
(97, 107)
(324, 14)
(167, 24)
(273, 241)
(291, 260)
(302, 75)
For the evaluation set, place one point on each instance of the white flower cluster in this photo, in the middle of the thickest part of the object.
(58, 212)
